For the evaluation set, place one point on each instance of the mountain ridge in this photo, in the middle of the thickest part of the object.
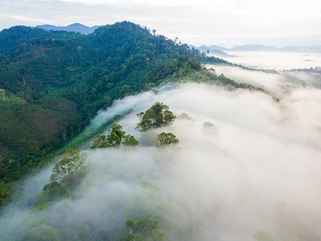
(74, 27)
(64, 78)
(258, 47)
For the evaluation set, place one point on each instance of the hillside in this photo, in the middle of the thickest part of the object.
(53, 83)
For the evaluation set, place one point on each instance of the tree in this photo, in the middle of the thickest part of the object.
(116, 137)
(66, 175)
(156, 116)
(144, 229)
(154, 32)
(166, 139)
(100, 142)
(4, 193)
(113, 139)
(69, 169)
(129, 140)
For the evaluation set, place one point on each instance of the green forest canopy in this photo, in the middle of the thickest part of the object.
(57, 81)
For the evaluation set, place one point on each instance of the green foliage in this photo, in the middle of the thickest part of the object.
(144, 229)
(156, 116)
(116, 137)
(9, 98)
(53, 191)
(129, 140)
(29, 131)
(43, 232)
(100, 142)
(166, 139)
(62, 79)
(66, 175)
(20, 36)
(4, 193)
(69, 169)
(2, 94)
(113, 139)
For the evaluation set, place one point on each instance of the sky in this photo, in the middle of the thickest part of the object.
(224, 22)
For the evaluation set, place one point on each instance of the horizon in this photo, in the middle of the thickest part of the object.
(227, 23)
(276, 46)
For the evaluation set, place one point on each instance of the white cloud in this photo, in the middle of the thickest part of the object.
(196, 21)
(245, 166)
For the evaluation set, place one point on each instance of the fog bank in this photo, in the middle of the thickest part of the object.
(247, 167)
(279, 60)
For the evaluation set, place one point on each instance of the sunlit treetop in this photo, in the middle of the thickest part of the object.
(156, 116)
(116, 137)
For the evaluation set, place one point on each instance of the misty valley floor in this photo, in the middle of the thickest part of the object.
(247, 168)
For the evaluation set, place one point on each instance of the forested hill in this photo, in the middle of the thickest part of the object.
(52, 83)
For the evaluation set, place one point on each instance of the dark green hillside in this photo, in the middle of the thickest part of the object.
(52, 83)
(11, 38)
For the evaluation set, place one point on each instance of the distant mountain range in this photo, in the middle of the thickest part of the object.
(215, 50)
(75, 27)
(221, 51)
(250, 47)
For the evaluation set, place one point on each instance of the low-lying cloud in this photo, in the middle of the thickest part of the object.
(247, 168)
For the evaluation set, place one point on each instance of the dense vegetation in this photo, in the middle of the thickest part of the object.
(166, 139)
(144, 229)
(156, 116)
(70, 172)
(66, 175)
(116, 137)
(52, 83)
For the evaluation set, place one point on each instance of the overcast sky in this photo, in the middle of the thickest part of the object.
(228, 22)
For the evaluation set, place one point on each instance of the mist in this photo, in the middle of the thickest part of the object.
(247, 167)
(278, 60)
